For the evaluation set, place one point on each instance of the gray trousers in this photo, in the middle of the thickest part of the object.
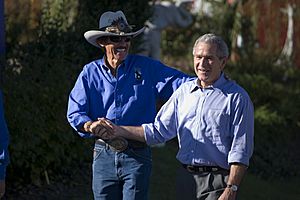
(200, 186)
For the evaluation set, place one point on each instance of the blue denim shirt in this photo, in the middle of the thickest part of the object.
(127, 99)
(4, 157)
(214, 125)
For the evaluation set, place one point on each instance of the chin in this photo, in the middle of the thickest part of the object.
(202, 77)
(123, 57)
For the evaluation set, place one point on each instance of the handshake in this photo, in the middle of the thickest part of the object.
(106, 130)
(102, 128)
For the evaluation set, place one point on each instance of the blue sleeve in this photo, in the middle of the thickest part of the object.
(4, 157)
(168, 80)
(78, 105)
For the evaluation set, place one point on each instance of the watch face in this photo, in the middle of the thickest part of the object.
(234, 187)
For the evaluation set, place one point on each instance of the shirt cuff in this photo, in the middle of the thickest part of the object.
(79, 124)
(238, 157)
(148, 134)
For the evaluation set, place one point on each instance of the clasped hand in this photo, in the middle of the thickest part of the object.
(103, 128)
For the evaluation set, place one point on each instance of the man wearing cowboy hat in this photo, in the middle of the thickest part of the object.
(124, 89)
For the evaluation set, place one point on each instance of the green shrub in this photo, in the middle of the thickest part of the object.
(274, 90)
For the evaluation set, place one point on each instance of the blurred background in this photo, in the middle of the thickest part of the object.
(42, 51)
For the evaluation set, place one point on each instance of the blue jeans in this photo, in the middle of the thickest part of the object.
(121, 175)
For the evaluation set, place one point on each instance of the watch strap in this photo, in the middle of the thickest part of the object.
(233, 187)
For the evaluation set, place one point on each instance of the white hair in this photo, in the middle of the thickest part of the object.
(210, 38)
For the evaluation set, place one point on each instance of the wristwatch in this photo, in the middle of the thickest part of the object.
(233, 187)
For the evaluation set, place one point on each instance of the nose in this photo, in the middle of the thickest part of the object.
(122, 41)
(202, 62)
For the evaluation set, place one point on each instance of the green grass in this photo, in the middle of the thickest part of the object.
(162, 185)
(163, 178)
(255, 188)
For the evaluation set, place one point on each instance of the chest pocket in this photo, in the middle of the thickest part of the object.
(188, 110)
(143, 95)
(217, 126)
(141, 91)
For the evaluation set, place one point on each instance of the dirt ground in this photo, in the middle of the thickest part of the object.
(77, 189)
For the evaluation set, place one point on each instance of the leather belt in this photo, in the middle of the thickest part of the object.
(199, 169)
(120, 144)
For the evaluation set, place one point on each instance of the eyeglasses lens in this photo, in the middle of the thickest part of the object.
(117, 39)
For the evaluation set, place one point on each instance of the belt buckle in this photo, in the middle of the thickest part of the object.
(215, 169)
(191, 169)
(118, 144)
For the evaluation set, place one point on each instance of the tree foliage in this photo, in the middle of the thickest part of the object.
(275, 91)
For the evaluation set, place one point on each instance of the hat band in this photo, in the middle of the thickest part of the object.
(115, 29)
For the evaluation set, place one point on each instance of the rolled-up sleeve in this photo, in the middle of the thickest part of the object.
(164, 127)
(243, 132)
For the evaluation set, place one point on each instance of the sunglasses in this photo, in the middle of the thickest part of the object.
(117, 39)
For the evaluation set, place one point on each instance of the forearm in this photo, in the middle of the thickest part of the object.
(237, 172)
(131, 132)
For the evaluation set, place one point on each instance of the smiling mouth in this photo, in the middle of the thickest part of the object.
(121, 50)
(203, 70)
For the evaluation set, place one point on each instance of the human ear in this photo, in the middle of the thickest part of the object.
(223, 63)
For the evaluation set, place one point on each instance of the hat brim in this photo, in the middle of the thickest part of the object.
(92, 36)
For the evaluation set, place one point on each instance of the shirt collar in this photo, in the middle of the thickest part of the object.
(103, 65)
(217, 85)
